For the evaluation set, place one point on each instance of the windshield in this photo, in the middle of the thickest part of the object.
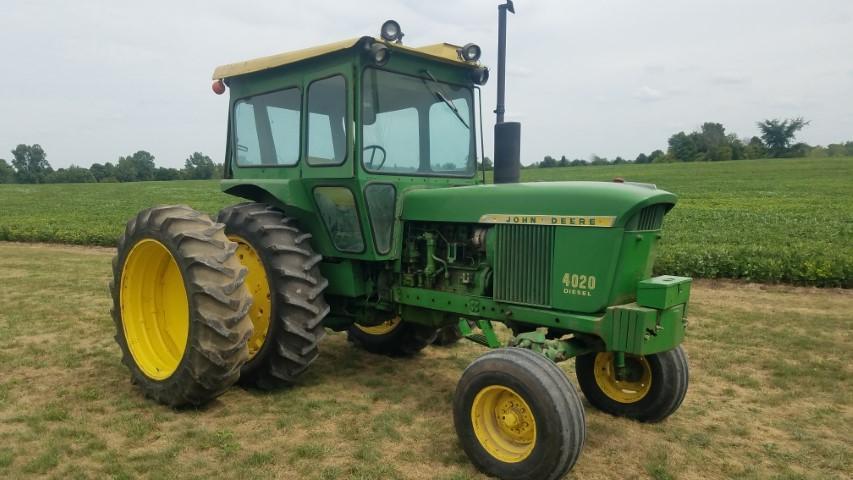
(416, 125)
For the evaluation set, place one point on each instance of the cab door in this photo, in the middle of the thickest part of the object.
(328, 124)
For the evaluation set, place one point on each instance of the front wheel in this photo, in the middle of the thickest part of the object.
(518, 417)
(652, 388)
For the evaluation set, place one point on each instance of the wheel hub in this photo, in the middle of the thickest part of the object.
(503, 423)
(154, 309)
(635, 384)
(258, 285)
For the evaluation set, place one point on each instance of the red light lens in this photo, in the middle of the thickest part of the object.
(218, 87)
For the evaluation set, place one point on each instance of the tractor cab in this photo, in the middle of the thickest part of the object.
(346, 127)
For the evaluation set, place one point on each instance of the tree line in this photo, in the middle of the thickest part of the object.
(710, 142)
(29, 165)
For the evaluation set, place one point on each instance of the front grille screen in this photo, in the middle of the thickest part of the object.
(651, 218)
(524, 255)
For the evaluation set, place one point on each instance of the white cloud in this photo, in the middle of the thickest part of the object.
(649, 94)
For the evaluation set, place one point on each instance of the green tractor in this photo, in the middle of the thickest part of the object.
(366, 213)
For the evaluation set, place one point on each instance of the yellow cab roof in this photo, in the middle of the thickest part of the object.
(441, 51)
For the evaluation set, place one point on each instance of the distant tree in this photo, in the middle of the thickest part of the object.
(713, 134)
(548, 162)
(579, 163)
(139, 167)
(682, 147)
(166, 174)
(30, 162)
(200, 167)
(103, 172)
(720, 153)
(596, 160)
(126, 170)
(818, 152)
(619, 161)
(564, 162)
(642, 158)
(99, 171)
(755, 148)
(840, 149)
(836, 150)
(487, 162)
(72, 174)
(778, 134)
(220, 168)
(714, 143)
(656, 156)
(800, 149)
(7, 173)
(737, 146)
(110, 172)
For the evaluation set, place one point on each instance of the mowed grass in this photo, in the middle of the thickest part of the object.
(771, 221)
(769, 396)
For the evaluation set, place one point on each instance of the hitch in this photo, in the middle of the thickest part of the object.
(488, 338)
(556, 350)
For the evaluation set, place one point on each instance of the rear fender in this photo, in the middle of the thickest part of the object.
(285, 194)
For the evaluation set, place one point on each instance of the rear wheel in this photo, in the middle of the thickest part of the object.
(518, 417)
(392, 337)
(285, 282)
(652, 388)
(179, 306)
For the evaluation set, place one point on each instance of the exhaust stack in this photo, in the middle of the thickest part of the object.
(507, 134)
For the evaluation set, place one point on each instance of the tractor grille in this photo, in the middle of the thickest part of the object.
(651, 218)
(523, 264)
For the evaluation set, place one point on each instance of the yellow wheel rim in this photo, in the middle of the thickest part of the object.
(633, 388)
(503, 423)
(259, 288)
(154, 309)
(382, 328)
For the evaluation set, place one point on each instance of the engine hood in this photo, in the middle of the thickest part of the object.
(592, 204)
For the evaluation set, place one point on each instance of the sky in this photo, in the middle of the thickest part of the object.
(91, 81)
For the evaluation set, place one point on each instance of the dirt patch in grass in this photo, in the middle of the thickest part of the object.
(60, 247)
(768, 396)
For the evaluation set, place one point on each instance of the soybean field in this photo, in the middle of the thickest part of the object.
(771, 220)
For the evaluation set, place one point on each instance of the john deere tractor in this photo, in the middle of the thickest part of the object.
(365, 213)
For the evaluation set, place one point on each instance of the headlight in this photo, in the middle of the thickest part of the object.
(391, 31)
(480, 75)
(470, 52)
(379, 54)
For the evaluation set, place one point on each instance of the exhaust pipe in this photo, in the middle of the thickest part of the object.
(507, 151)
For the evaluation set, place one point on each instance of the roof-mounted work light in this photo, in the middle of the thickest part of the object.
(470, 52)
(391, 32)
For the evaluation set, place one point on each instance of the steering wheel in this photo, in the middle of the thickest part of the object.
(374, 149)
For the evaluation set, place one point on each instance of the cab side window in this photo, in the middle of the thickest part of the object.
(266, 129)
(327, 118)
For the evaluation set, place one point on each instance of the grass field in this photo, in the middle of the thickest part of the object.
(764, 220)
(769, 396)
